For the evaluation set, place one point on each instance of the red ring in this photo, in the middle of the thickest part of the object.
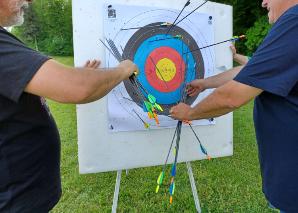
(150, 69)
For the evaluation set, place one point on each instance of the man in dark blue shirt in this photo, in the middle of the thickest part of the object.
(271, 78)
(29, 139)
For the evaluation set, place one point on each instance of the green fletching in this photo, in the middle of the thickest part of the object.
(178, 36)
(152, 99)
(172, 189)
(174, 186)
(148, 106)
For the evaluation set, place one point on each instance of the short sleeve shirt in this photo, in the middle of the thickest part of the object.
(274, 69)
(29, 140)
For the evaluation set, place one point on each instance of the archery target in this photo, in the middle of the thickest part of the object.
(163, 64)
(165, 60)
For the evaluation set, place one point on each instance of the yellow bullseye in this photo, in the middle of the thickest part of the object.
(166, 69)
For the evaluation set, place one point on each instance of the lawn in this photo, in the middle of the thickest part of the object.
(231, 184)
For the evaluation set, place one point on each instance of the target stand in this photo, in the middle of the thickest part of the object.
(191, 180)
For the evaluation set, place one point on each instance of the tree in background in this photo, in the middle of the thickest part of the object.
(29, 32)
(48, 25)
(249, 18)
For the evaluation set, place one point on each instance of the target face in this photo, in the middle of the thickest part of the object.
(164, 63)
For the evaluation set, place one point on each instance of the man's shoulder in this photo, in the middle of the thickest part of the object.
(6, 36)
(4, 32)
(292, 11)
(290, 16)
(287, 24)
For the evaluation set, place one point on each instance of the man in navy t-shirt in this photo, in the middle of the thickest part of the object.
(271, 78)
(29, 139)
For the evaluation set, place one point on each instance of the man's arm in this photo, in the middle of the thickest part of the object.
(77, 85)
(241, 59)
(200, 85)
(223, 100)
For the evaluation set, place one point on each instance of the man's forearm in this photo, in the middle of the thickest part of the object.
(241, 59)
(222, 78)
(101, 82)
(76, 85)
(213, 106)
(223, 100)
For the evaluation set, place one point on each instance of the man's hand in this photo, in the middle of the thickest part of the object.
(92, 64)
(195, 87)
(181, 112)
(233, 49)
(129, 68)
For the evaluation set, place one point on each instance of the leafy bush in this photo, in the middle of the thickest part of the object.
(256, 34)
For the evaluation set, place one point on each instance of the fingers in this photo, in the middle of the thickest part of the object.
(97, 64)
(94, 64)
(172, 109)
(190, 89)
(87, 63)
(173, 112)
(180, 111)
(135, 69)
(233, 49)
(193, 92)
(129, 67)
(194, 88)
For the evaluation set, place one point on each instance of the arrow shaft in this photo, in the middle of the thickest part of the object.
(187, 3)
(190, 13)
(211, 45)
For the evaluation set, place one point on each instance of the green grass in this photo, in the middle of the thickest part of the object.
(231, 184)
(64, 60)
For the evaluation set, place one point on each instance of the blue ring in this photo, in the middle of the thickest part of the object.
(143, 53)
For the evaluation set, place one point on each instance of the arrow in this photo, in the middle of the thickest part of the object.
(165, 24)
(186, 4)
(191, 13)
(236, 38)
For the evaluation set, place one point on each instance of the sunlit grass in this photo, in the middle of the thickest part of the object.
(231, 184)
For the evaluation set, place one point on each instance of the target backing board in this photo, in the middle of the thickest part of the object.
(110, 134)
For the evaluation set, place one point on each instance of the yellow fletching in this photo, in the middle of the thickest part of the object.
(157, 189)
(146, 125)
(159, 177)
(158, 107)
